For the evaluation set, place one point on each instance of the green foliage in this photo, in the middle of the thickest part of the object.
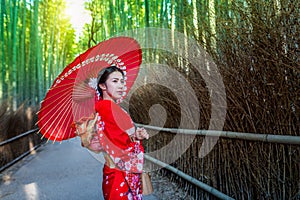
(36, 42)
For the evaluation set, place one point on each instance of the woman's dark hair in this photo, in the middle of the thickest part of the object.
(103, 76)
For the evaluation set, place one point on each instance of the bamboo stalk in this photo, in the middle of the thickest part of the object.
(269, 171)
(284, 171)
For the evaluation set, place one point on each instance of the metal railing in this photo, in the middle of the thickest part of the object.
(283, 139)
(190, 179)
(22, 155)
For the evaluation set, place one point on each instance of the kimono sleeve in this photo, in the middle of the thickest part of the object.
(113, 124)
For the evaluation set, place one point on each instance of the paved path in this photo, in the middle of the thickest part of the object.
(67, 171)
(56, 171)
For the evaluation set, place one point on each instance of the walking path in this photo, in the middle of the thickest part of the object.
(66, 171)
(55, 171)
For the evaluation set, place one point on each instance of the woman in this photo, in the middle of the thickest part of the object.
(119, 139)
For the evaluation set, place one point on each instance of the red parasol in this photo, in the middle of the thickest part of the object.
(71, 97)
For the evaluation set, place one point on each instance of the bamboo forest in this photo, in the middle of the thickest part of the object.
(255, 45)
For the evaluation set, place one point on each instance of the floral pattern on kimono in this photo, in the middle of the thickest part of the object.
(114, 128)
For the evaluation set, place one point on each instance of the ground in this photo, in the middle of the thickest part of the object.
(35, 173)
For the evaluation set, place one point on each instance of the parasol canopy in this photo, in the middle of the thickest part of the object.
(71, 97)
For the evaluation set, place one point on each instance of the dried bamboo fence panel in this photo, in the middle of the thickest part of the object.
(13, 123)
(257, 53)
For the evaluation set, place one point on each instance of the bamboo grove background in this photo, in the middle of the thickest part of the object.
(36, 41)
(254, 43)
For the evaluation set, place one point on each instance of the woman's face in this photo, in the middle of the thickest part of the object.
(113, 87)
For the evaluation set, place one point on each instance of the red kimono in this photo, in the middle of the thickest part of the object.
(124, 157)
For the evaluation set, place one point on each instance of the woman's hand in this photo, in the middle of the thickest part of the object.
(141, 133)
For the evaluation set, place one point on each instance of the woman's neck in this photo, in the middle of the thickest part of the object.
(108, 98)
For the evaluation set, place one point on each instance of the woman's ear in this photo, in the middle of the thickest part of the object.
(102, 86)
